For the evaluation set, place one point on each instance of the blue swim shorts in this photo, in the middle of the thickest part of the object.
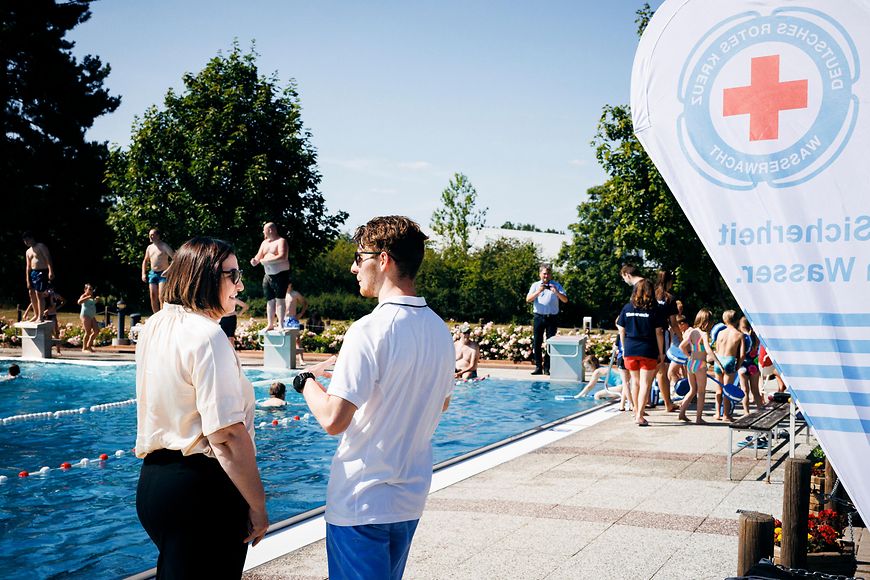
(39, 280)
(730, 363)
(156, 277)
(369, 551)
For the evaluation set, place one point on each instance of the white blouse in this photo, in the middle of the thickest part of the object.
(189, 383)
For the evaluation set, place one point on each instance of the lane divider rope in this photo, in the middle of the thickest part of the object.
(64, 412)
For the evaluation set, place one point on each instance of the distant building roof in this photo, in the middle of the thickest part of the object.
(548, 244)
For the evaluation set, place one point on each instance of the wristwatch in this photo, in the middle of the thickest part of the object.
(300, 380)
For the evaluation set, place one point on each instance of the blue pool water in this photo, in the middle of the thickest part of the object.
(81, 523)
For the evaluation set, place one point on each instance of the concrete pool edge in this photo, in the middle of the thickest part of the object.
(309, 527)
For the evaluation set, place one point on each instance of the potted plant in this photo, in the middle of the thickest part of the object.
(827, 551)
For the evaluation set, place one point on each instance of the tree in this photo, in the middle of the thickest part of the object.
(226, 155)
(635, 212)
(508, 225)
(593, 258)
(459, 214)
(52, 175)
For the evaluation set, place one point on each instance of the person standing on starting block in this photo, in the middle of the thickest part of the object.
(274, 256)
(157, 256)
(39, 273)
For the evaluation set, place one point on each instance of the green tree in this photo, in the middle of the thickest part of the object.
(459, 215)
(593, 258)
(497, 279)
(52, 175)
(226, 155)
(635, 212)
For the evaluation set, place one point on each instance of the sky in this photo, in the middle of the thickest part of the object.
(399, 96)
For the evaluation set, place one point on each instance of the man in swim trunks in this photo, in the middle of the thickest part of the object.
(157, 255)
(467, 354)
(730, 349)
(39, 272)
(274, 256)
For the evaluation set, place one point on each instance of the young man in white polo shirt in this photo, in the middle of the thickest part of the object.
(392, 380)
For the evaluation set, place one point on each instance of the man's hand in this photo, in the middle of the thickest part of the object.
(144, 277)
(319, 370)
(255, 262)
(258, 523)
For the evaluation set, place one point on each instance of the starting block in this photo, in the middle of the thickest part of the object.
(36, 339)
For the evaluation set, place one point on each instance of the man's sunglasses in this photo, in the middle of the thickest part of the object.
(235, 275)
(358, 256)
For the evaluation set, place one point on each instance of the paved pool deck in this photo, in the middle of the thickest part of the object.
(610, 501)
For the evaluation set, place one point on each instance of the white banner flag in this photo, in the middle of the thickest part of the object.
(756, 115)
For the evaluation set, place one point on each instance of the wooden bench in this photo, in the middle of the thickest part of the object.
(764, 422)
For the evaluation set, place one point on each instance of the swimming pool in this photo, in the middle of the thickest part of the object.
(81, 522)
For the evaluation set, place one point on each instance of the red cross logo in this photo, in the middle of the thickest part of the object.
(764, 98)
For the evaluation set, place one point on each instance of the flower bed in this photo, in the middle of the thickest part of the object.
(69, 334)
(827, 551)
(497, 342)
(824, 531)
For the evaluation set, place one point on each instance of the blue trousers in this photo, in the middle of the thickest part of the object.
(369, 552)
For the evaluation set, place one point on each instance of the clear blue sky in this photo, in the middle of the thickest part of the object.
(400, 95)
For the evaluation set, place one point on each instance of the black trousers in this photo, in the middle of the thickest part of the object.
(542, 324)
(194, 514)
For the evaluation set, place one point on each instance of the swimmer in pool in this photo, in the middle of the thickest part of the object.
(13, 373)
(277, 391)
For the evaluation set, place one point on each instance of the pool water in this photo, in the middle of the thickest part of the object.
(81, 522)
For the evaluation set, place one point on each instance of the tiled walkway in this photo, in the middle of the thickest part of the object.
(611, 501)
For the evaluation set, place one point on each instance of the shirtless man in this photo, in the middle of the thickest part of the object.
(39, 272)
(730, 349)
(274, 255)
(157, 255)
(467, 354)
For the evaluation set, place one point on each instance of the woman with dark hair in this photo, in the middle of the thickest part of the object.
(668, 304)
(199, 496)
(642, 336)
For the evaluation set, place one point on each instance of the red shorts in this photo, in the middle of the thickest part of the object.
(636, 363)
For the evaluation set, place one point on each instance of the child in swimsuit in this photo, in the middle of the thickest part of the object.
(696, 345)
(749, 373)
(53, 301)
(88, 316)
(730, 350)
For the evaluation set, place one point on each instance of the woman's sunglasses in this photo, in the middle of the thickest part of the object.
(234, 273)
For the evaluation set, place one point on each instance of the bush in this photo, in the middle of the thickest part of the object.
(340, 305)
(248, 334)
(256, 306)
(328, 341)
(600, 346)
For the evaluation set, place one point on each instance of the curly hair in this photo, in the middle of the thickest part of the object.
(400, 237)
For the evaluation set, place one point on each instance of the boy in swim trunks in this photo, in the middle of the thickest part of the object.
(39, 273)
(731, 350)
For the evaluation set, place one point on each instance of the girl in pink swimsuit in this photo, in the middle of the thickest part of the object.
(696, 345)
